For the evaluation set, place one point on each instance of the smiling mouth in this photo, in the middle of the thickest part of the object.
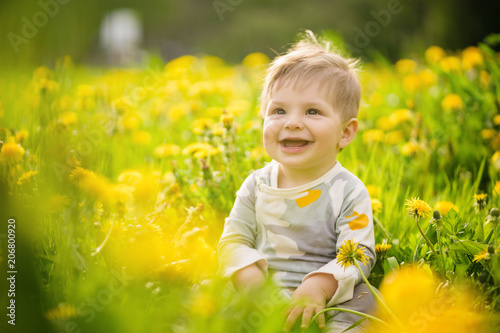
(295, 143)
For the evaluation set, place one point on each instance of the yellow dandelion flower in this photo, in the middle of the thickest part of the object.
(42, 72)
(472, 57)
(443, 207)
(227, 119)
(488, 133)
(141, 137)
(376, 205)
(85, 91)
(484, 79)
(381, 249)
(122, 105)
(183, 62)
(434, 54)
(79, 174)
(167, 150)
(411, 83)
(130, 177)
(405, 66)
(178, 111)
(214, 112)
(200, 150)
(384, 123)
(131, 122)
(373, 190)
(427, 77)
(56, 203)
(201, 125)
(394, 137)
(410, 148)
(12, 152)
(69, 118)
(376, 99)
(450, 64)
(255, 60)
(349, 252)
(483, 255)
(452, 102)
(497, 188)
(26, 177)
(373, 136)
(217, 129)
(418, 208)
(479, 201)
(48, 86)
(61, 312)
(401, 116)
(495, 160)
(411, 294)
(22, 135)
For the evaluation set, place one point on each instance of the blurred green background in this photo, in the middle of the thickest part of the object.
(233, 28)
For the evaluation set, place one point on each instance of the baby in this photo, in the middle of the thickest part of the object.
(290, 217)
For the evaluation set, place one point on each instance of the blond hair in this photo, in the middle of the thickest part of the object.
(309, 59)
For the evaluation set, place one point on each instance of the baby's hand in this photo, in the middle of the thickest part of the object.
(309, 299)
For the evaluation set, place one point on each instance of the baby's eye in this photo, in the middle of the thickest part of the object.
(312, 111)
(279, 111)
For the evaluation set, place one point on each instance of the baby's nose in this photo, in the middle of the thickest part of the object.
(293, 124)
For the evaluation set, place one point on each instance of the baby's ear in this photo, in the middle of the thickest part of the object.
(349, 132)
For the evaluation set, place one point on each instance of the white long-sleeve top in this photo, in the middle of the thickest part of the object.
(294, 233)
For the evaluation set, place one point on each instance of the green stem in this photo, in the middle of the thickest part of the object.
(376, 295)
(353, 312)
(441, 250)
(381, 226)
(429, 243)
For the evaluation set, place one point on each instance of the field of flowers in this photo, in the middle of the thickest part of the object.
(119, 181)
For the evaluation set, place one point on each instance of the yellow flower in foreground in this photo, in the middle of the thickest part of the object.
(479, 200)
(450, 64)
(167, 150)
(12, 152)
(141, 137)
(488, 133)
(61, 312)
(405, 66)
(373, 136)
(22, 135)
(445, 206)
(452, 102)
(200, 150)
(411, 294)
(401, 116)
(373, 191)
(483, 255)
(349, 252)
(376, 205)
(410, 148)
(26, 177)
(472, 57)
(381, 249)
(411, 83)
(255, 59)
(394, 137)
(433, 54)
(497, 188)
(418, 208)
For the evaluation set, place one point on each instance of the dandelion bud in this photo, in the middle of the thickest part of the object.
(495, 212)
(227, 120)
(491, 249)
(436, 215)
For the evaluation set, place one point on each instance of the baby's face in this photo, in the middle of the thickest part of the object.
(302, 131)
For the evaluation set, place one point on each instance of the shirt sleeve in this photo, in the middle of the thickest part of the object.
(236, 248)
(355, 222)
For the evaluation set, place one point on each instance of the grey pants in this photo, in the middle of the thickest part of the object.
(362, 301)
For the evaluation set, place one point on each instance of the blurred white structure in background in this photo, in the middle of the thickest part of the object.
(121, 36)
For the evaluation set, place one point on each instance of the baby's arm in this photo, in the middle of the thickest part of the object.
(310, 298)
(248, 277)
(239, 260)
